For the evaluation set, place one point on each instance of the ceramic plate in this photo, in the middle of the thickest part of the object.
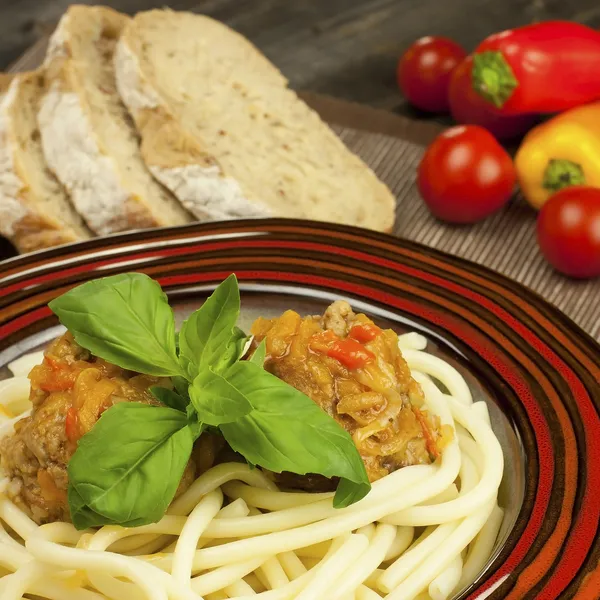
(537, 371)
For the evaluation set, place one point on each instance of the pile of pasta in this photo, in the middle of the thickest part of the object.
(424, 531)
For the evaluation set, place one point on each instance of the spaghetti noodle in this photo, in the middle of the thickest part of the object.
(423, 531)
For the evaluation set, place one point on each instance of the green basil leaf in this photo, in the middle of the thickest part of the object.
(196, 428)
(206, 334)
(241, 342)
(81, 515)
(234, 350)
(191, 413)
(348, 492)
(124, 319)
(84, 517)
(134, 482)
(217, 401)
(287, 431)
(258, 358)
(169, 398)
(181, 385)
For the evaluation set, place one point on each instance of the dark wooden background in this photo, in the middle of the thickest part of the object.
(349, 49)
(346, 48)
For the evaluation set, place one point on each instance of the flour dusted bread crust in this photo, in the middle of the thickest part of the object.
(35, 211)
(5, 81)
(88, 138)
(223, 132)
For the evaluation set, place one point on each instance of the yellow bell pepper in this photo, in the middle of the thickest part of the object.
(561, 152)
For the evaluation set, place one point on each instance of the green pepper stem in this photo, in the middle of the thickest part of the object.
(493, 78)
(561, 173)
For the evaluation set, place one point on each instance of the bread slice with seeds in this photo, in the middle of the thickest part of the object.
(89, 140)
(221, 129)
(35, 210)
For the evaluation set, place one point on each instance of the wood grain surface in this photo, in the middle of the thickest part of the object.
(344, 48)
(393, 145)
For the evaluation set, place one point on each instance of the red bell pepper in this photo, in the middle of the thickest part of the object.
(469, 108)
(540, 68)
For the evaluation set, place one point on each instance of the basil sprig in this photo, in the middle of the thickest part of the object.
(127, 469)
(210, 338)
(126, 320)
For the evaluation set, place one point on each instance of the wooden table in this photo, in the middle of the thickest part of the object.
(345, 48)
(349, 49)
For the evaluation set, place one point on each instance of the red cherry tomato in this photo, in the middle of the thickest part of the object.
(568, 231)
(424, 72)
(468, 107)
(465, 175)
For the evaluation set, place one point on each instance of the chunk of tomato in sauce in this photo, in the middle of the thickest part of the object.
(430, 442)
(351, 353)
(72, 425)
(364, 332)
(53, 375)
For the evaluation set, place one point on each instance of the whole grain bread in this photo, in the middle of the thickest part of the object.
(35, 210)
(89, 140)
(221, 129)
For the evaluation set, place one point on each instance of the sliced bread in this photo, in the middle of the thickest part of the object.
(35, 211)
(88, 137)
(223, 132)
(5, 81)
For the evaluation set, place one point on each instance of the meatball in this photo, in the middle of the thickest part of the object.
(69, 392)
(356, 373)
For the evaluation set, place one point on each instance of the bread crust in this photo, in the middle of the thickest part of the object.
(5, 81)
(23, 218)
(191, 168)
(73, 147)
(173, 156)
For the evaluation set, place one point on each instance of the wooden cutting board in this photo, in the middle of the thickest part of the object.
(393, 145)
